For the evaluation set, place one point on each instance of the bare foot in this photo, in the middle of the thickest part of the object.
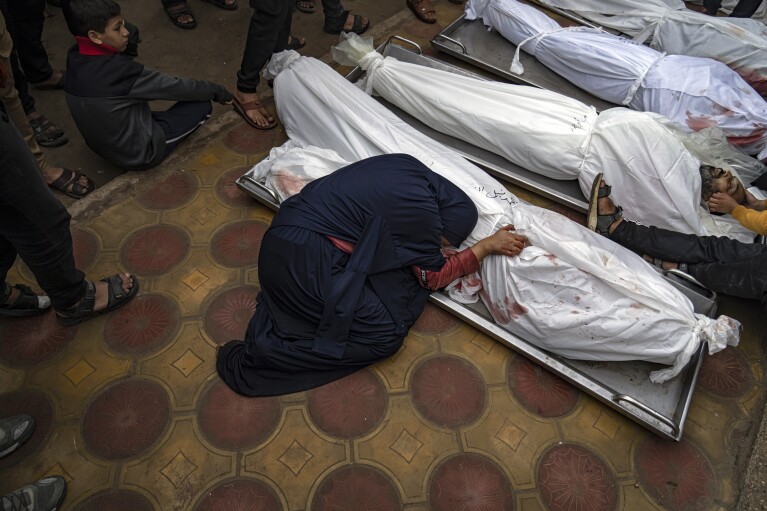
(102, 291)
(180, 14)
(258, 115)
(666, 265)
(306, 5)
(350, 23)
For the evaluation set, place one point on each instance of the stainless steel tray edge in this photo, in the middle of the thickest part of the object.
(667, 427)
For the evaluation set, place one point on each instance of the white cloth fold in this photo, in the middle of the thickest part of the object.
(741, 44)
(624, 309)
(692, 91)
(656, 177)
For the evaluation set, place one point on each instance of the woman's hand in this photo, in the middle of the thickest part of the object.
(720, 202)
(502, 242)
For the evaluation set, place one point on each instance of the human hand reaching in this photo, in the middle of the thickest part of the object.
(720, 202)
(503, 242)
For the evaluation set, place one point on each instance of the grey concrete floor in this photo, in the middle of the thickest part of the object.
(213, 51)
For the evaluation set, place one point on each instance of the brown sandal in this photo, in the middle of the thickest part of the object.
(244, 108)
(421, 8)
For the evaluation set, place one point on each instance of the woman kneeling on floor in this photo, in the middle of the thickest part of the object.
(345, 270)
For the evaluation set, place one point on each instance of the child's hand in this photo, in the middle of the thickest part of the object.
(722, 203)
(754, 203)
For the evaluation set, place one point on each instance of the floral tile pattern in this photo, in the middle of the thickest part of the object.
(130, 411)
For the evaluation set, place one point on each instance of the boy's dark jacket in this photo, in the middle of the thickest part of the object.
(108, 97)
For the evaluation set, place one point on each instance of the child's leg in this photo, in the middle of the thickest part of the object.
(180, 120)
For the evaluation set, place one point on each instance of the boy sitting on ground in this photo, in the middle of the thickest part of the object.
(108, 94)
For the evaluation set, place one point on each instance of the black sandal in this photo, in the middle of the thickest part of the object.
(175, 11)
(596, 222)
(26, 304)
(83, 311)
(358, 27)
(46, 133)
(69, 183)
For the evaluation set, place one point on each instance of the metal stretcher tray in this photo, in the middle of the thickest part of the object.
(624, 386)
(471, 41)
(574, 16)
(566, 192)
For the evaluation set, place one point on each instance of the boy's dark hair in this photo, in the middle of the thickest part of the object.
(86, 15)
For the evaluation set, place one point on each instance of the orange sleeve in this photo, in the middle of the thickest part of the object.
(751, 219)
(457, 265)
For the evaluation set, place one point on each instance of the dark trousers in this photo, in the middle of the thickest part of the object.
(21, 84)
(24, 20)
(268, 33)
(760, 182)
(719, 263)
(744, 8)
(181, 120)
(334, 14)
(33, 223)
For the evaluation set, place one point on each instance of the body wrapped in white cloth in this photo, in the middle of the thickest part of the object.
(694, 92)
(574, 292)
(653, 170)
(739, 43)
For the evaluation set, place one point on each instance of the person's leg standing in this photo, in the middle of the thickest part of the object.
(22, 85)
(283, 36)
(266, 25)
(26, 28)
(34, 222)
(745, 8)
(181, 120)
(10, 96)
(712, 6)
(333, 11)
(338, 19)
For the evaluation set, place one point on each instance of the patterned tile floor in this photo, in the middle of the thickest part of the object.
(131, 412)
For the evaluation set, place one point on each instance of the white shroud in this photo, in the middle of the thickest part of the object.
(654, 175)
(695, 92)
(739, 43)
(574, 292)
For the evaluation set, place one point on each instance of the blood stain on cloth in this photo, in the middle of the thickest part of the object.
(697, 123)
